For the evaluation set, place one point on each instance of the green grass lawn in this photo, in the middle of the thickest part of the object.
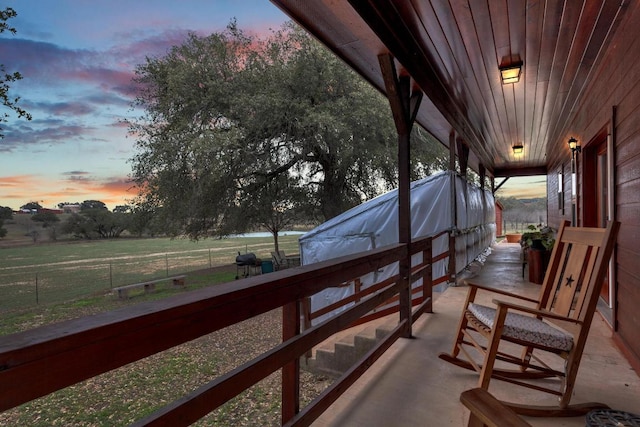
(37, 315)
(223, 250)
(44, 274)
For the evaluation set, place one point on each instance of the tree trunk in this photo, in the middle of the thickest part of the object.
(275, 240)
(332, 194)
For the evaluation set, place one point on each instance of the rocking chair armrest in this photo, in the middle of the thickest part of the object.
(535, 311)
(499, 291)
(489, 411)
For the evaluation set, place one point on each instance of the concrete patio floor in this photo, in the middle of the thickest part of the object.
(410, 386)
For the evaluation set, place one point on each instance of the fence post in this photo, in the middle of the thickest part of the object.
(110, 275)
(166, 261)
(210, 265)
(37, 297)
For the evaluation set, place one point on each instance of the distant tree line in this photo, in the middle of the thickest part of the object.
(92, 221)
(518, 213)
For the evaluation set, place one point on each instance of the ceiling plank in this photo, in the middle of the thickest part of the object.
(550, 21)
(600, 28)
(562, 51)
(452, 50)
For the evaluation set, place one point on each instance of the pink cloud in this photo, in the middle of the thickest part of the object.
(42, 132)
(107, 79)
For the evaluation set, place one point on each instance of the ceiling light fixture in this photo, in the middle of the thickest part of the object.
(518, 148)
(510, 73)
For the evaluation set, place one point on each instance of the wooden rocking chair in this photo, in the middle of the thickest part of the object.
(568, 297)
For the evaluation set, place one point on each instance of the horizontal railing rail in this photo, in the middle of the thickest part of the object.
(39, 361)
(418, 271)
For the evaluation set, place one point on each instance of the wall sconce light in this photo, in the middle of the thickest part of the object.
(510, 73)
(574, 145)
(561, 192)
(518, 148)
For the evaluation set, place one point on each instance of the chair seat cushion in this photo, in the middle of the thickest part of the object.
(525, 328)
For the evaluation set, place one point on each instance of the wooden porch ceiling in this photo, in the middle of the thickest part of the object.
(453, 49)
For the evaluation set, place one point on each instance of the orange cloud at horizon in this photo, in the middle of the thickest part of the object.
(18, 190)
(20, 187)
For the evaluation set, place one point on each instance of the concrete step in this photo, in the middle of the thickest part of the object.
(336, 357)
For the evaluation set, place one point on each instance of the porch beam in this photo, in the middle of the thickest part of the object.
(503, 182)
(526, 171)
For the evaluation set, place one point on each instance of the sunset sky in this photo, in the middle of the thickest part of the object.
(523, 187)
(77, 58)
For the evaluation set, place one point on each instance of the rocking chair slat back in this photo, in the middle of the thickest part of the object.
(568, 284)
(581, 305)
(569, 281)
(583, 235)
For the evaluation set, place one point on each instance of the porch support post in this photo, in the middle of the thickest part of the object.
(463, 159)
(404, 107)
(454, 208)
(483, 175)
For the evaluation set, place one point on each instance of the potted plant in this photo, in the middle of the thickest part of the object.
(537, 244)
(513, 237)
(538, 237)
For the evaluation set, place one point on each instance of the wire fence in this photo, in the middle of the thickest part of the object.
(22, 287)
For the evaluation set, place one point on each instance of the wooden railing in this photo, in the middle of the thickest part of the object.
(420, 271)
(42, 360)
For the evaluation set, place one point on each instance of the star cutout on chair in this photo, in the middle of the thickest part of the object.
(570, 280)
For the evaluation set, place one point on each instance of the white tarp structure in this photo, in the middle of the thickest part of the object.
(374, 224)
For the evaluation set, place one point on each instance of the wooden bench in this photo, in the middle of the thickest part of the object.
(150, 286)
(486, 410)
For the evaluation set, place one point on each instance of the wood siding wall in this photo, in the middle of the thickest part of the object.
(616, 84)
(557, 210)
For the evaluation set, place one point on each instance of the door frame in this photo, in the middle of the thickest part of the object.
(589, 204)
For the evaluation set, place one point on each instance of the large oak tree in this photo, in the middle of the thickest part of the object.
(240, 132)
